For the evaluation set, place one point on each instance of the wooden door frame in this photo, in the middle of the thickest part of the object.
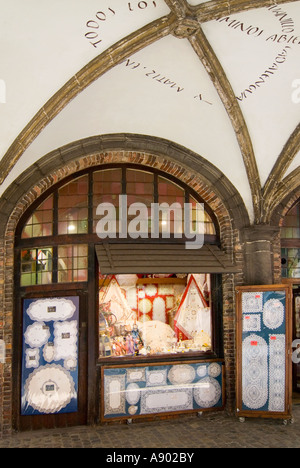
(21, 423)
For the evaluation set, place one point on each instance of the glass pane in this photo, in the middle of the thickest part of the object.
(73, 207)
(40, 223)
(72, 263)
(107, 186)
(36, 266)
(139, 187)
(156, 315)
(171, 221)
(291, 224)
(290, 262)
(201, 221)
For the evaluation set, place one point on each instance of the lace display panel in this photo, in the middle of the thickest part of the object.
(162, 389)
(50, 356)
(263, 362)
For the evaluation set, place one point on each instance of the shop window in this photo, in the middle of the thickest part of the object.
(36, 266)
(291, 224)
(73, 207)
(40, 224)
(290, 260)
(290, 244)
(154, 315)
(72, 263)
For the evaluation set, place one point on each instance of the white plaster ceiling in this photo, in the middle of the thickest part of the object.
(44, 44)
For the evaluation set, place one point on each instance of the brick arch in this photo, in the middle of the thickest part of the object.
(142, 160)
(284, 207)
(100, 161)
(190, 168)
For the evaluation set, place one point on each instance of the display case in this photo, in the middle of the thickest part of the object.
(264, 352)
(50, 356)
(146, 390)
(155, 316)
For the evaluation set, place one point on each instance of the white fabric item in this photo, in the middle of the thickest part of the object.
(49, 389)
(118, 303)
(193, 315)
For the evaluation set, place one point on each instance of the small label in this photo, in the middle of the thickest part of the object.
(273, 337)
(253, 343)
(50, 388)
(65, 336)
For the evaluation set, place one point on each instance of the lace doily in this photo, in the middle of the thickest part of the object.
(255, 372)
(156, 378)
(32, 359)
(157, 400)
(252, 323)
(133, 394)
(207, 392)
(37, 334)
(273, 314)
(181, 374)
(252, 302)
(114, 394)
(51, 309)
(277, 373)
(49, 389)
(65, 340)
(214, 370)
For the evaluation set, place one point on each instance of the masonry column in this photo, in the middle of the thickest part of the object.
(258, 243)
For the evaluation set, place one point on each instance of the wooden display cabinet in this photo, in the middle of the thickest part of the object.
(264, 352)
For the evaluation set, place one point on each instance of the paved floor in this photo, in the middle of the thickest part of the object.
(216, 430)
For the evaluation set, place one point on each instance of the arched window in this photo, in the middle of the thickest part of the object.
(53, 240)
(290, 243)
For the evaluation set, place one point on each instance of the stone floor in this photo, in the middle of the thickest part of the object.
(216, 430)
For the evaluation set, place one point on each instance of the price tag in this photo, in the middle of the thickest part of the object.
(253, 343)
(273, 337)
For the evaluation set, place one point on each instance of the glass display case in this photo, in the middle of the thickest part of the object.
(50, 356)
(146, 390)
(154, 315)
(264, 359)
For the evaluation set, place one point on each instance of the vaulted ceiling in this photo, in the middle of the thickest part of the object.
(220, 78)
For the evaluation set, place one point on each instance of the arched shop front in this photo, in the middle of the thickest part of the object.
(118, 328)
(102, 330)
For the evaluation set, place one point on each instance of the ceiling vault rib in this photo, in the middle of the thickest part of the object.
(215, 9)
(213, 67)
(275, 180)
(180, 8)
(81, 80)
(284, 189)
